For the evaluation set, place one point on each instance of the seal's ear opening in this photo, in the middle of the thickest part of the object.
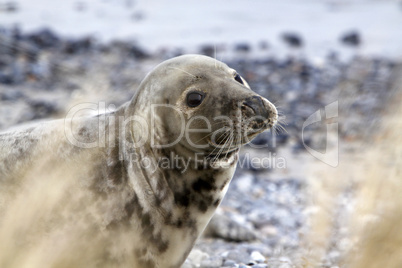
(194, 98)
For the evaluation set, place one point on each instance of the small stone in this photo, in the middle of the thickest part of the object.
(213, 262)
(187, 264)
(242, 47)
(11, 95)
(138, 16)
(286, 262)
(42, 108)
(352, 38)
(230, 263)
(237, 256)
(9, 6)
(263, 45)
(257, 257)
(196, 256)
(269, 230)
(245, 183)
(76, 46)
(260, 265)
(334, 256)
(224, 227)
(208, 50)
(138, 53)
(7, 79)
(292, 39)
(44, 38)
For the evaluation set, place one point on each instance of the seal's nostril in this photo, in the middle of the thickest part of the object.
(248, 110)
(257, 106)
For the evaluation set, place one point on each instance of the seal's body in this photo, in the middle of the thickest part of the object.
(156, 168)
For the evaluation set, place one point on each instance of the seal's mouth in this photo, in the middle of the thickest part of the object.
(259, 125)
(234, 139)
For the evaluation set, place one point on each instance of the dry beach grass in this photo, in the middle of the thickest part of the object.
(356, 212)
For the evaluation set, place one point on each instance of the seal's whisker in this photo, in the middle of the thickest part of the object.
(220, 148)
(281, 123)
(282, 119)
(203, 138)
(279, 128)
(275, 130)
(227, 141)
(221, 59)
(225, 135)
(230, 145)
(183, 71)
(212, 152)
(222, 136)
(279, 111)
(215, 55)
(278, 104)
(209, 134)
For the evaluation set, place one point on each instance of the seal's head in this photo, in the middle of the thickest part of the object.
(204, 105)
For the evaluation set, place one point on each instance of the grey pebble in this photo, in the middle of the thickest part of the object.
(213, 262)
(260, 265)
(237, 256)
(187, 264)
(196, 256)
(230, 263)
(222, 226)
(257, 257)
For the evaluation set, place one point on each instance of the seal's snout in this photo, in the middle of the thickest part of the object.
(261, 111)
(254, 106)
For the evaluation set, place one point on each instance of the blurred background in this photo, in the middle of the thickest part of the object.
(326, 191)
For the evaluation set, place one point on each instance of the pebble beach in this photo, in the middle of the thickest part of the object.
(265, 218)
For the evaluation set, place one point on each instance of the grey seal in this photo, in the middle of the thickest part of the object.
(155, 169)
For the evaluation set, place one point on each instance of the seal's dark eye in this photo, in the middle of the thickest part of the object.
(238, 79)
(194, 99)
